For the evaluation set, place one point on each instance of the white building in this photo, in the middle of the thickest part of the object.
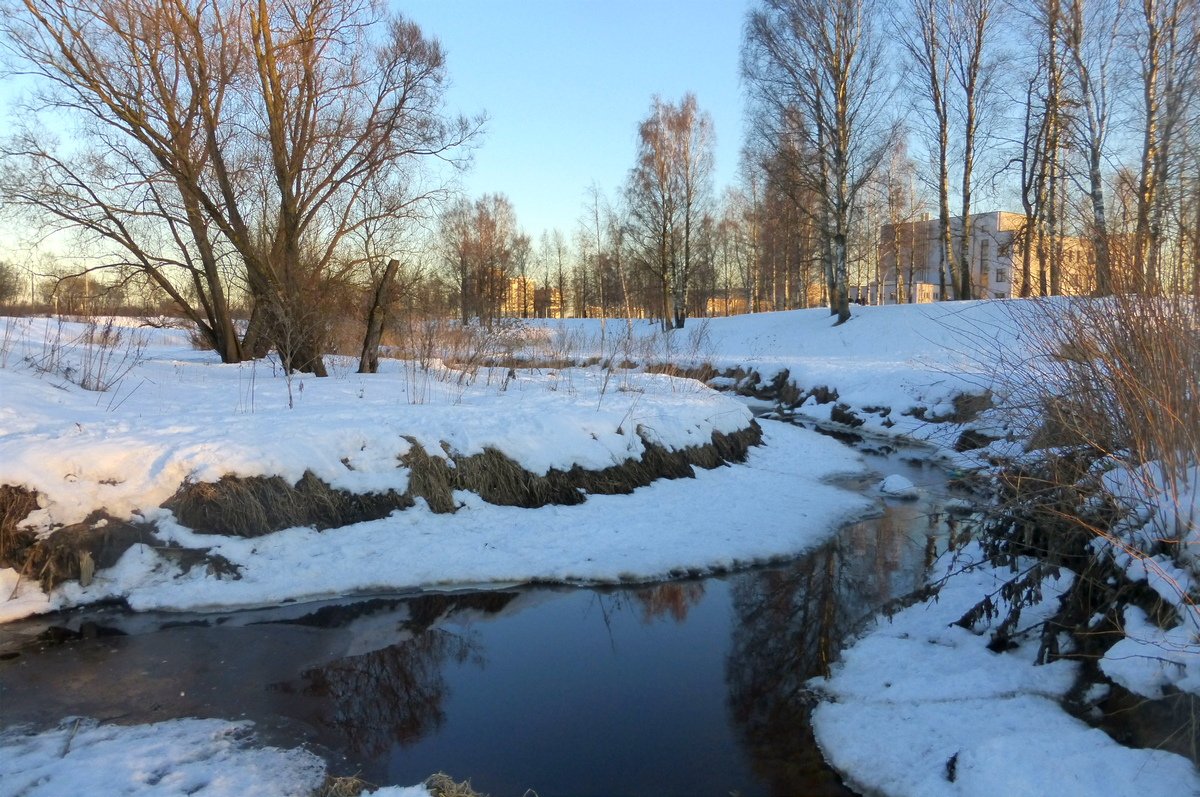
(910, 258)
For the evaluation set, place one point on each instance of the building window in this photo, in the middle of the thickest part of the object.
(1001, 275)
(984, 253)
(999, 295)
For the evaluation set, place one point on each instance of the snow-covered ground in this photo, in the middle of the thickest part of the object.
(921, 706)
(917, 707)
(207, 757)
(899, 357)
(179, 417)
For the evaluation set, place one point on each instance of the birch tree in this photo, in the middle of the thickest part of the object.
(822, 65)
(925, 42)
(1168, 48)
(973, 72)
(1091, 33)
(666, 195)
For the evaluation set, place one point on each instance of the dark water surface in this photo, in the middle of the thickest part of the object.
(687, 687)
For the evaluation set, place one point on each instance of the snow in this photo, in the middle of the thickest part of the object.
(917, 705)
(204, 757)
(898, 357)
(918, 698)
(776, 505)
(1150, 661)
(181, 417)
(897, 486)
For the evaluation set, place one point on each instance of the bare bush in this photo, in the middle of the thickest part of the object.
(1118, 377)
(98, 358)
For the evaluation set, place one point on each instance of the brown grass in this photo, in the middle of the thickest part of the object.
(430, 477)
(1109, 384)
(500, 480)
(15, 505)
(442, 785)
(253, 506)
(344, 786)
(256, 505)
(1119, 378)
(93, 544)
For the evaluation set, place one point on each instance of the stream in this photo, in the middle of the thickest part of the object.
(681, 687)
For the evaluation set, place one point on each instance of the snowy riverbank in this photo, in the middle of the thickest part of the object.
(918, 706)
(177, 418)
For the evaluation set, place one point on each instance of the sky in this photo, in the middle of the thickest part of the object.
(565, 83)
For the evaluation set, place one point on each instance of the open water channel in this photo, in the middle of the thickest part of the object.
(686, 687)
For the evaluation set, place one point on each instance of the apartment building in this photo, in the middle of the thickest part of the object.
(910, 257)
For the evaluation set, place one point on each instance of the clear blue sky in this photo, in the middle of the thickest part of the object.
(565, 83)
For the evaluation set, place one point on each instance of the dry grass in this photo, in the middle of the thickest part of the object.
(1110, 387)
(256, 505)
(15, 505)
(442, 785)
(253, 506)
(344, 786)
(1118, 377)
(75, 552)
(430, 477)
(500, 480)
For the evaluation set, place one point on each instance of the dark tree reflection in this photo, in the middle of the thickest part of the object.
(396, 694)
(789, 627)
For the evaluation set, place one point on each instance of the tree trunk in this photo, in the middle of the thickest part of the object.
(256, 344)
(368, 361)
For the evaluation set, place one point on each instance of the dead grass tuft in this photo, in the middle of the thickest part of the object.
(442, 785)
(256, 505)
(344, 786)
(15, 505)
(500, 480)
(430, 477)
(74, 552)
(969, 406)
(701, 373)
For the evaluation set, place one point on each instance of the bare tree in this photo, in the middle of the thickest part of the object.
(925, 42)
(694, 140)
(1168, 49)
(973, 71)
(821, 65)
(481, 247)
(1091, 31)
(668, 189)
(255, 130)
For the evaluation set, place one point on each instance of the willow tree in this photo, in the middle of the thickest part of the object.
(821, 64)
(220, 141)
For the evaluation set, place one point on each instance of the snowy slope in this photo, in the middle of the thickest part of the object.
(179, 417)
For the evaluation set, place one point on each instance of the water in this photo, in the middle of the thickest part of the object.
(687, 687)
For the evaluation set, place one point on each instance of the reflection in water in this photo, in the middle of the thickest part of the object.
(790, 624)
(389, 695)
(395, 694)
(694, 686)
(674, 599)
